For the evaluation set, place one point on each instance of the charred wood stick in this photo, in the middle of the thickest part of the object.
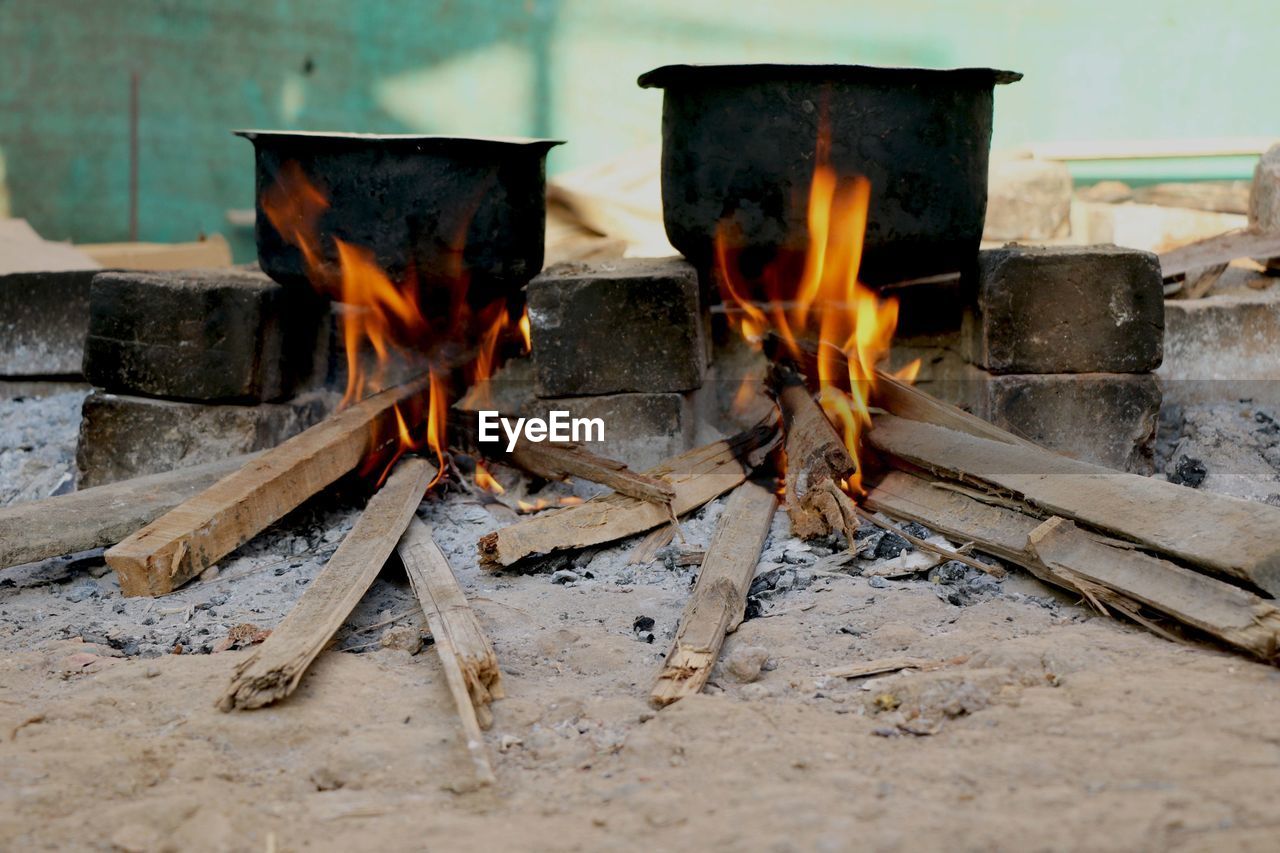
(1220, 534)
(102, 515)
(560, 461)
(188, 539)
(816, 458)
(1103, 570)
(697, 477)
(273, 671)
(470, 665)
(719, 599)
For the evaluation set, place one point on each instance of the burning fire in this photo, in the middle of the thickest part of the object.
(384, 320)
(819, 300)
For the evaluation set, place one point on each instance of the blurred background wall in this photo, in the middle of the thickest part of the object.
(1095, 69)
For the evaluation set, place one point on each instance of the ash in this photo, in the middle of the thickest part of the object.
(78, 596)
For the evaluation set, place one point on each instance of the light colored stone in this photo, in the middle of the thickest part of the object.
(745, 663)
(1027, 200)
(1264, 196)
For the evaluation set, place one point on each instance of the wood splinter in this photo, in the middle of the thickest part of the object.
(719, 599)
(470, 665)
(273, 671)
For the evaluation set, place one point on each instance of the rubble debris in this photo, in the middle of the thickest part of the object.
(1065, 309)
(1188, 472)
(1264, 198)
(1027, 199)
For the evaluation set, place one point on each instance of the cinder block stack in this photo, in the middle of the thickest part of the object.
(194, 366)
(624, 341)
(1061, 343)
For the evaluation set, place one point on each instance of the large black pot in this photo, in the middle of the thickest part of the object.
(438, 207)
(739, 142)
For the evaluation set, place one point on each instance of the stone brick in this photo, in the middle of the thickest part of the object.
(617, 326)
(1027, 199)
(1264, 196)
(123, 437)
(1108, 419)
(641, 430)
(1223, 347)
(43, 320)
(205, 335)
(1065, 309)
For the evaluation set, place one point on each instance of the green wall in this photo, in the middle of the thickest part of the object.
(1094, 70)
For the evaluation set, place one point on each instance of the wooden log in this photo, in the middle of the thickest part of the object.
(697, 477)
(1095, 566)
(470, 665)
(560, 461)
(719, 599)
(197, 533)
(102, 515)
(1219, 249)
(275, 668)
(816, 457)
(903, 400)
(1227, 535)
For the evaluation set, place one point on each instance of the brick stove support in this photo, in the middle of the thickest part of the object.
(43, 320)
(201, 335)
(123, 437)
(1065, 309)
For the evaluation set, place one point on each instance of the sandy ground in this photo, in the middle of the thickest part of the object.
(1048, 729)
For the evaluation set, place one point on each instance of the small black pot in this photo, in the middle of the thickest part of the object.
(739, 142)
(435, 206)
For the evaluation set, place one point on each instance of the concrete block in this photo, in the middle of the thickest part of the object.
(1223, 347)
(123, 437)
(43, 320)
(1027, 200)
(1065, 309)
(631, 325)
(1107, 419)
(204, 335)
(1264, 196)
(641, 430)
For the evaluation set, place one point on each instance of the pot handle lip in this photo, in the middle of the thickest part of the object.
(253, 135)
(666, 75)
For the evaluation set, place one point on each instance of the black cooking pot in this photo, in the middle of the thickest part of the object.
(739, 143)
(438, 207)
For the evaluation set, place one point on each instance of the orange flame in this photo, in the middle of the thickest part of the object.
(487, 481)
(385, 318)
(823, 300)
(540, 504)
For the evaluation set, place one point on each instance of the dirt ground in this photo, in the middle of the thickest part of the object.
(1048, 729)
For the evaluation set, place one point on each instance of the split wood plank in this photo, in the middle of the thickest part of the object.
(654, 541)
(1060, 553)
(906, 401)
(470, 665)
(560, 461)
(102, 515)
(1227, 535)
(697, 477)
(202, 530)
(816, 457)
(1220, 249)
(719, 599)
(273, 671)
